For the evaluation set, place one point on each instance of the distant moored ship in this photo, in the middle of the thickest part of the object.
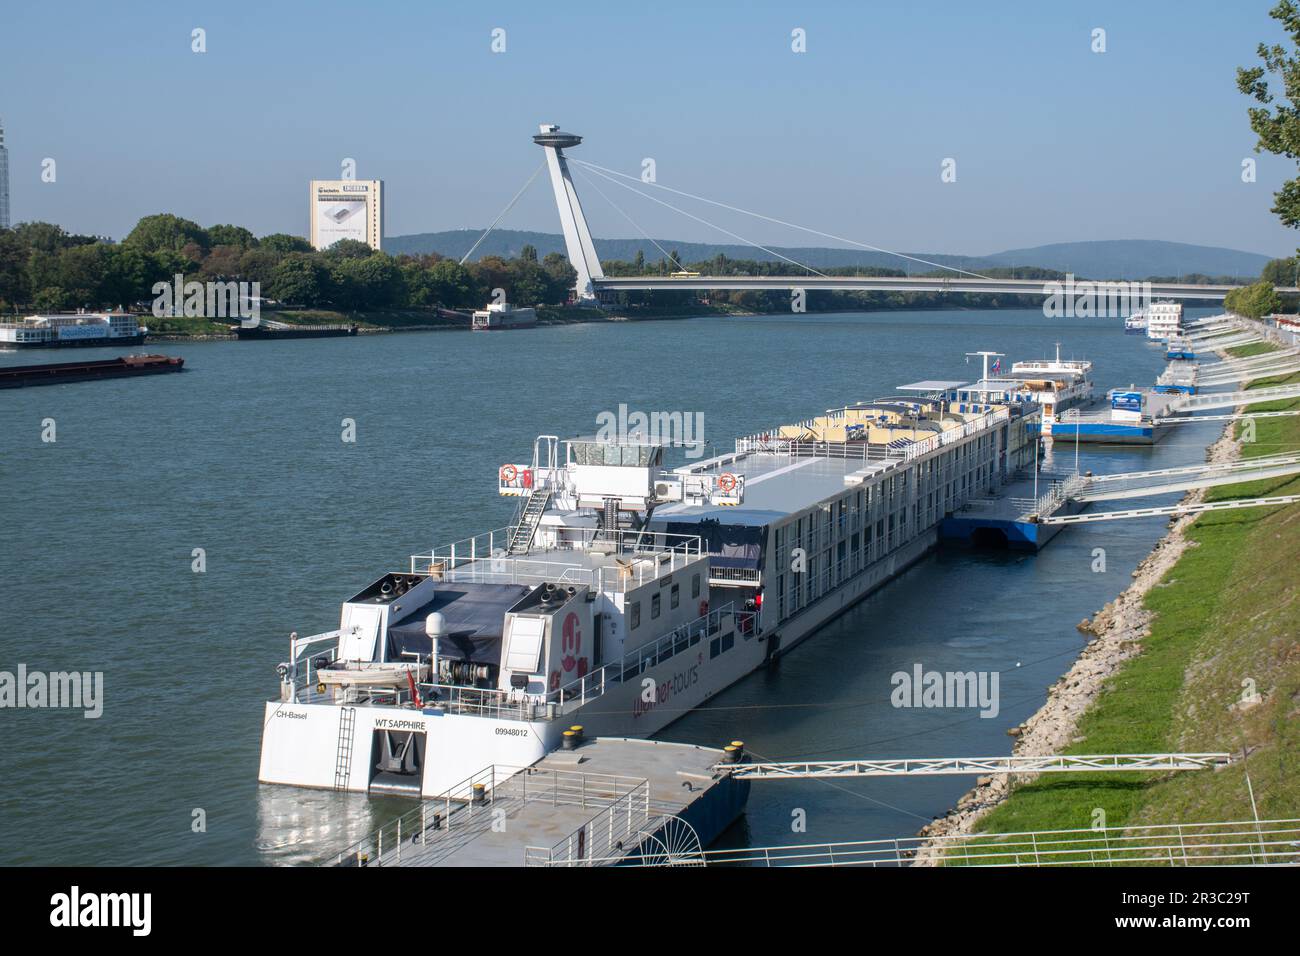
(71, 329)
(502, 315)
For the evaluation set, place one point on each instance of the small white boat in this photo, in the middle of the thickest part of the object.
(372, 673)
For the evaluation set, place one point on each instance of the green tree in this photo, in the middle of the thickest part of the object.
(299, 279)
(1276, 121)
(47, 237)
(129, 276)
(13, 269)
(454, 285)
(349, 249)
(1254, 301)
(528, 253)
(226, 235)
(282, 242)
(165, 232)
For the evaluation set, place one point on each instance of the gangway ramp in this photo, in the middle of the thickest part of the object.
(1255, 373)
(1170, 510)
(1222, 342)
(951, 766)
(1141, 484)
(1254, 396)
(1266, 360)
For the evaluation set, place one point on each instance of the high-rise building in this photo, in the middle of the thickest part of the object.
(347, 209)
(4, 180)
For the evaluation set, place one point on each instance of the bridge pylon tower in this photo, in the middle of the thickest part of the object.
(577, 237)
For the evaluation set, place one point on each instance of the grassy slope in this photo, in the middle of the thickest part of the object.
(1226, 612)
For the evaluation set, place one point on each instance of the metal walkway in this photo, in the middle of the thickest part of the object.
(1193, 419)
(1254, 396)
(1236, 843)
(1253, 361)
(1170, 510)
(1249, 374)
(1140, 484)
(948, 766)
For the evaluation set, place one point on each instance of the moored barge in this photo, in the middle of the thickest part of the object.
(55, 373)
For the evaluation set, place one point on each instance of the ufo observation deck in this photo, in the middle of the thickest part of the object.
(557, 139)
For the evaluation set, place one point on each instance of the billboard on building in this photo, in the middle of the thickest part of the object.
(347, 209)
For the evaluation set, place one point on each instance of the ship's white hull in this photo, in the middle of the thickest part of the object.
(301, 742)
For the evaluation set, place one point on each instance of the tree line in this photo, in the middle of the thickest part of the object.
(45, 269)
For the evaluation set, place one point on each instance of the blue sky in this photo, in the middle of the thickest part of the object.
(1052, 141)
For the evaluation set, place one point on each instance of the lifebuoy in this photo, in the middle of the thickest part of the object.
(704, 608)
(509, 473)
(727, 481)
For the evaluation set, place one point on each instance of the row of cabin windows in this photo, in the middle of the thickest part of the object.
(674, 599)
(847, 512)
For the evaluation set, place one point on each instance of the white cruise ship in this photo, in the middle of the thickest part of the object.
(74, 329)
(1136, 324)
(502, 316)
(1164, 320)
(625, 592)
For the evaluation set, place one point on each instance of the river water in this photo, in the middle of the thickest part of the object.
(242, 456)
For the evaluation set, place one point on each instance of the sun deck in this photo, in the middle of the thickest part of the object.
(777, 484)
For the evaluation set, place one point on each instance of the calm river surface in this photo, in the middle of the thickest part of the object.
(241, 455)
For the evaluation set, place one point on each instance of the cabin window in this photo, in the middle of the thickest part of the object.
(654, 607)
(695, 586)
(675, 596)
(634, 616)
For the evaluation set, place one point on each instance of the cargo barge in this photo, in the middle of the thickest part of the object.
(55, 373)
(256, 330)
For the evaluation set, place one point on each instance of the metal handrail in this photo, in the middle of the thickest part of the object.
(600, 838)
(1257, 842)
(453, 816)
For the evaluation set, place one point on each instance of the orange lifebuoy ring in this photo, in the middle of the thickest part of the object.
(509, 473)
(704, 608)
(727, 481)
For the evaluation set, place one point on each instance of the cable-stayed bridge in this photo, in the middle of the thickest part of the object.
(1118, 295)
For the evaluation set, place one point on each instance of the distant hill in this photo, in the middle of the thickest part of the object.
(1137, 259)
(1110, 259)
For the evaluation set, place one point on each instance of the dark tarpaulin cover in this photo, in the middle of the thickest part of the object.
(475, 616)
(732, 545)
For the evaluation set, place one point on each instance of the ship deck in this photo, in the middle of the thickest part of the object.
(779, 484)
(612, 791)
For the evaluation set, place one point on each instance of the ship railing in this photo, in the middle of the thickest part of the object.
(443, 824)
(808, 448)
(1240, 843)
(735, 577)
(297, 674)
(1061, 487)
(483, 558)
(606, 836)
(517, 705)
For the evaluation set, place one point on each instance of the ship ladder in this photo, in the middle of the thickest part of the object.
(521, 536)
(609, 521)
(343, 759)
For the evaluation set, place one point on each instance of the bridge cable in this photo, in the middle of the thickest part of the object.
(503, 212)
(782, 222)
(712, 225)
(664, 252)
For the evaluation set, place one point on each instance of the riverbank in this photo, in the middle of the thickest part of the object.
(1170, 666)
(376, 321)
